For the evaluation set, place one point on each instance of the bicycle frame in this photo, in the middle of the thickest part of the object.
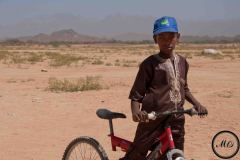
(165, 139)
(117, 141)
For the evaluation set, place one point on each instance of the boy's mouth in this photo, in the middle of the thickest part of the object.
(168, 48)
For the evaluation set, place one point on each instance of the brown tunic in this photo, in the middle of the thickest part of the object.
(160, 85)
(153, 83)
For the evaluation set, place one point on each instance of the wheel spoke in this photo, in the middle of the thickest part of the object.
(75, 154)
(84, 149)
(94, 156)
(90, 150)
(81, 151)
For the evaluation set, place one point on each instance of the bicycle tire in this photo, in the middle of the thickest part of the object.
(96, 153)
(175, 154)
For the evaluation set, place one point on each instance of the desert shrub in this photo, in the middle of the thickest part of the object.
(12, 81)
(215, 56)
(58, 59)
(97, 62)
(129, 61)
(55, 44)
(34, 58)
(89, 83)
(126, 65)
(3, 55)
(17, 59)
(101, 51)
(108, 64)
(117, 64)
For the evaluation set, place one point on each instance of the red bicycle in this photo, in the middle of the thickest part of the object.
(87, 148)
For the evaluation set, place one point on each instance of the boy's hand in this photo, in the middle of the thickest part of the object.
(140, 116)
(202, 111)
(137, 114)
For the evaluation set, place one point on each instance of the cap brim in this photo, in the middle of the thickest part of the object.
(161, 30)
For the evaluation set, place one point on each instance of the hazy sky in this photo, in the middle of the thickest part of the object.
(12, 11)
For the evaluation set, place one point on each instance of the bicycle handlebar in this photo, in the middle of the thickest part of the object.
(153, 115)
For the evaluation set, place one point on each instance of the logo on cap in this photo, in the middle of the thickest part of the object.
(165, 22)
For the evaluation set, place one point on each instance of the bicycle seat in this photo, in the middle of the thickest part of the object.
(106, 114)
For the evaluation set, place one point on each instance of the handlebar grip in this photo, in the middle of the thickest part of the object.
(152, 115)
(193, 112)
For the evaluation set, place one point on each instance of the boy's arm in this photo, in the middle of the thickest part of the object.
(138, 91)
(191, 99)
(200, 108)
(137, 114)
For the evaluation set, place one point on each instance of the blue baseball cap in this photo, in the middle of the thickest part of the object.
(165, 24)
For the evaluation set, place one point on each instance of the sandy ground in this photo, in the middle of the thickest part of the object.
(36, 124)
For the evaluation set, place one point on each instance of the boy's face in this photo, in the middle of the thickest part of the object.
(167, 41)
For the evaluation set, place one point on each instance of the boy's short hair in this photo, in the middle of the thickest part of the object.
(165, 24)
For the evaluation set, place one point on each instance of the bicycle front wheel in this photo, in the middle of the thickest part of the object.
(175, 154)
(84, 148)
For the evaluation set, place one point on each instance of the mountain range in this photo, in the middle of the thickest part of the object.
(67, 35)
(71, 36)
(118, 27)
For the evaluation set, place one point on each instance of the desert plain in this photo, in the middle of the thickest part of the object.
(39, 116)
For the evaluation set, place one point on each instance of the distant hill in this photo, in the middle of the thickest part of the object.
(67, 35)
(114, 26)
(70, 36)
(145, 38)
(131, 36)
(208, 39)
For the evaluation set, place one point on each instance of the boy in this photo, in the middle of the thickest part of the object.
(160, 85)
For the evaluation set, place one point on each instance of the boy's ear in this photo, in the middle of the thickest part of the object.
(178, 37)
(155, 39)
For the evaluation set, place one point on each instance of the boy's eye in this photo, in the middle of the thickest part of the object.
(167, 37)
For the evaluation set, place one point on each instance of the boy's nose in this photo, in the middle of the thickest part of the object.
(169, 43)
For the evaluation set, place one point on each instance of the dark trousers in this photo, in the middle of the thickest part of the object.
(147, 133)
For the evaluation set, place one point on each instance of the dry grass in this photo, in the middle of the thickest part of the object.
(12, 81)
(103, 54)
(129, 63)
(35, 57)
(108, 64)
(213, 56)
(89, 83)
(3, 55)
(20, 58)
(58, 59)
(97, 62)
(226, 94)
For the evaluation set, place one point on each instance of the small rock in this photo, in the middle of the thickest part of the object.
(211, 52)
(36, 99)
(11, 114)
(43, 70)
